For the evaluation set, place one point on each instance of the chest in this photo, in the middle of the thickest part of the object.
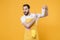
(29, 18)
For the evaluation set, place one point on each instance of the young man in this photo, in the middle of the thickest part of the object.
(29, 19)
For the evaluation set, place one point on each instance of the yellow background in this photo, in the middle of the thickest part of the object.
(11, 27)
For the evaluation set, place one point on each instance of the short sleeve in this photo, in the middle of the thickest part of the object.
(22, 19)
(38, 15)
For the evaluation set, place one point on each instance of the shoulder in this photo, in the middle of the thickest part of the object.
(33, 14)
(22, 17)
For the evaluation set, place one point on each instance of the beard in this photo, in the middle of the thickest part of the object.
(26, 13)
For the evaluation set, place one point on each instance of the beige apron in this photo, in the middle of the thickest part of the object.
(31, 34)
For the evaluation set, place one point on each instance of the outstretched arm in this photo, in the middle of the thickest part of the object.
(44, 12)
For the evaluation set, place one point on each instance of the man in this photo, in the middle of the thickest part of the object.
(29, 25)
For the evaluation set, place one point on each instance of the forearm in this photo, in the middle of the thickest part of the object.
(28, 25)
(43, 12)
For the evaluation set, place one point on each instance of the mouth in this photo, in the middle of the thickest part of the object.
(25, 13)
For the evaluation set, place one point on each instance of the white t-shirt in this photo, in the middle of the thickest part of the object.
(32, 15)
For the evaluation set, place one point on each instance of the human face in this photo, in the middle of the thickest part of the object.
(26, 10)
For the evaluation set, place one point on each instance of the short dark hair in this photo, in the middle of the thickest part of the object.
(26, 5)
